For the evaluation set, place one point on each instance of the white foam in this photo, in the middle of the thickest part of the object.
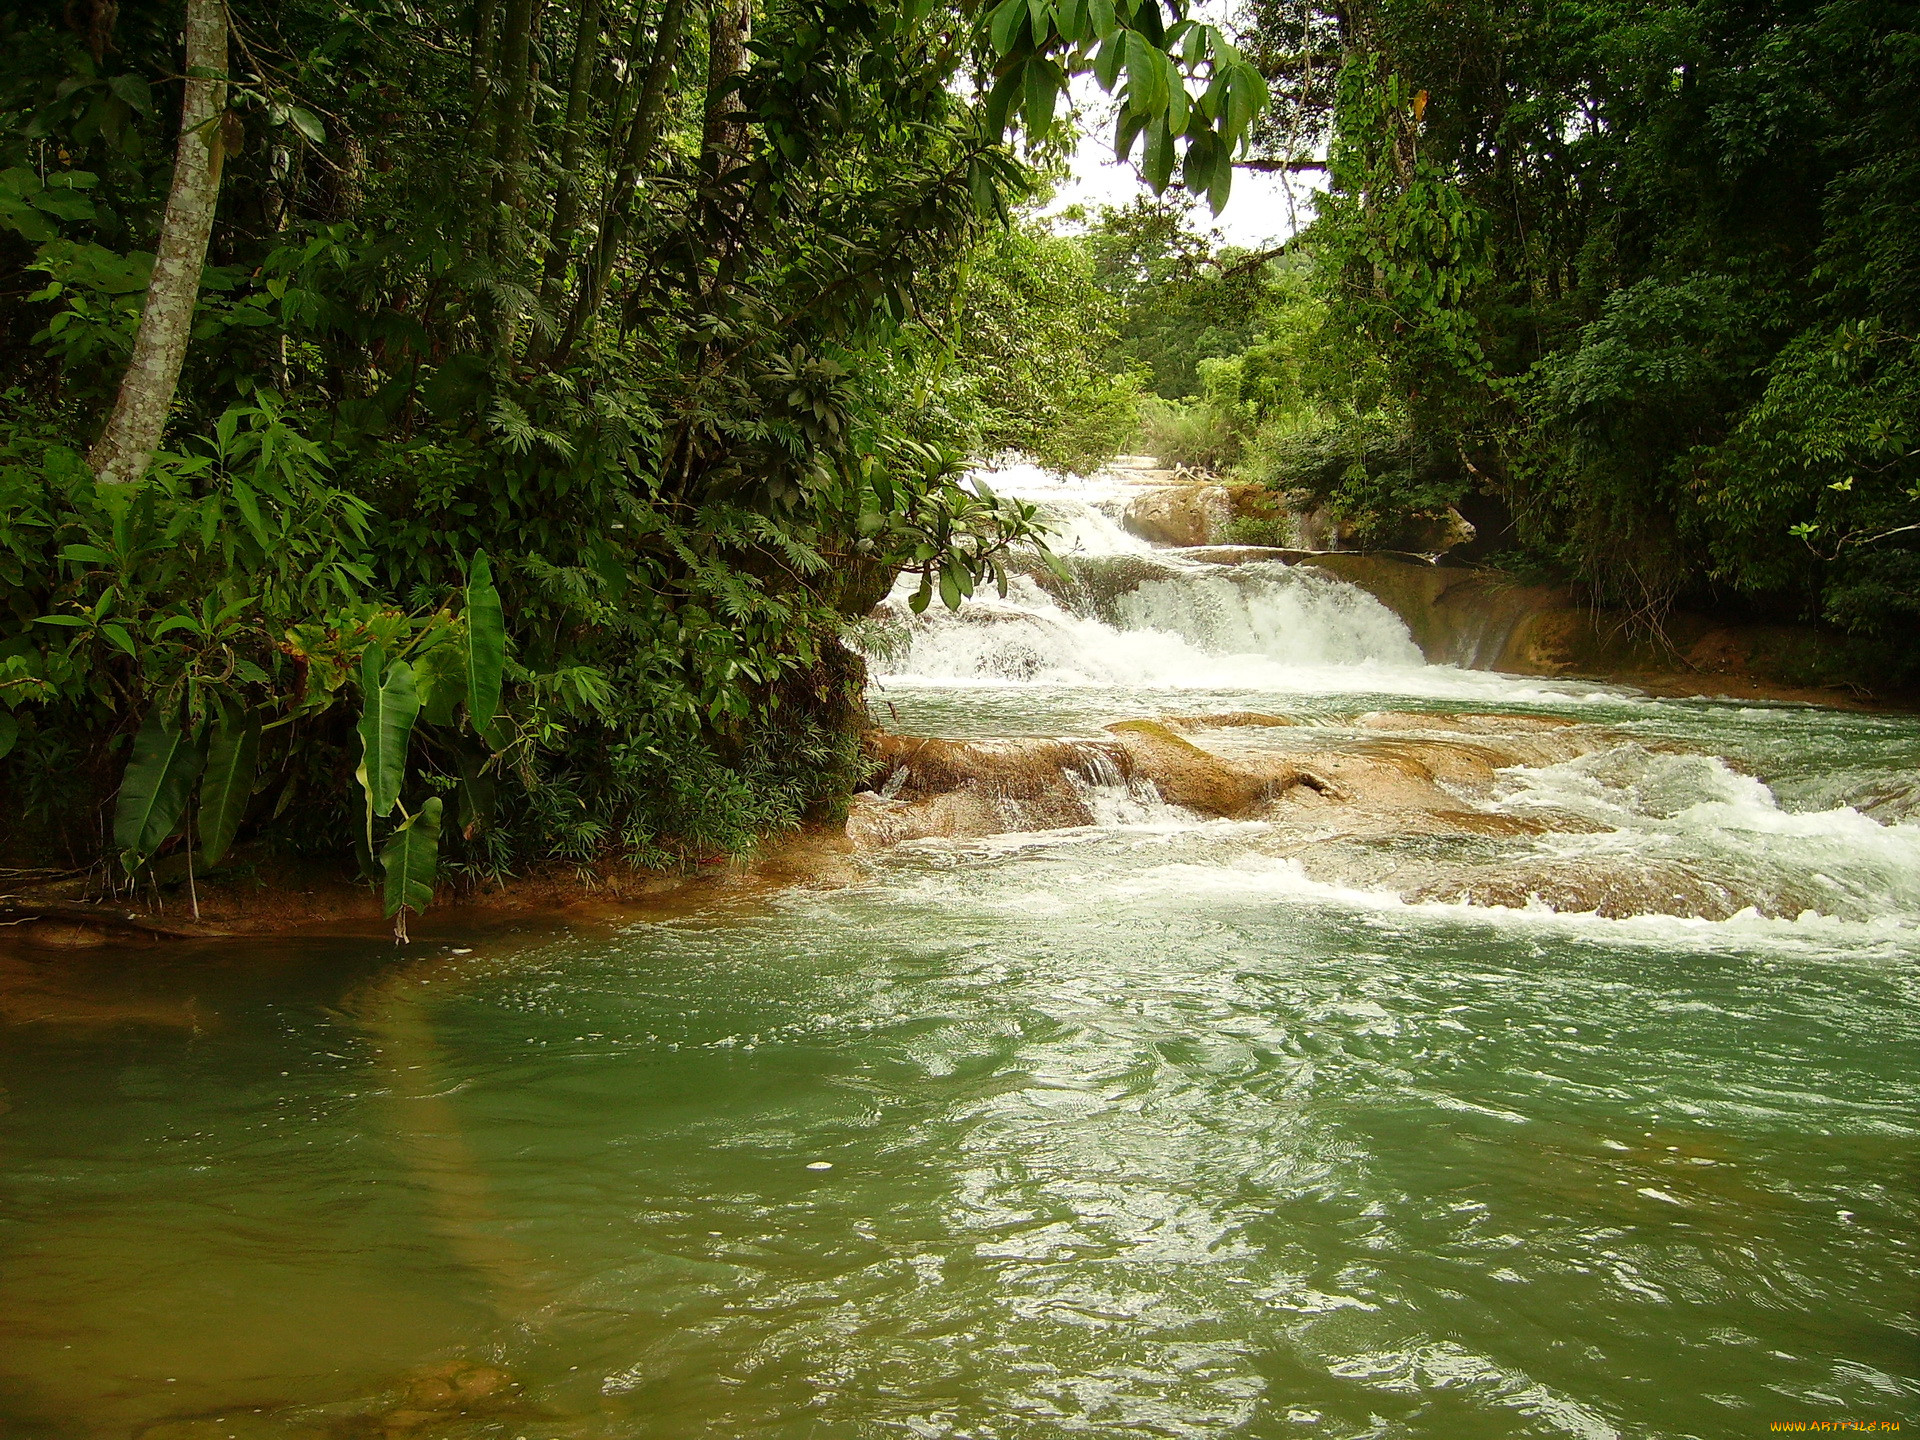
(1296, 617)
(1252, 876)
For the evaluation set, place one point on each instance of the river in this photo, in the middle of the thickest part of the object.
(1161, 1125)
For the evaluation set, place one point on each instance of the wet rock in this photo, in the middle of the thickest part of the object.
(1246, 554)
(1188, 776)
(1179, 515)
(1230, 720)
(956, 789)
(1238, 765)
(1567, 889)
(64, 935)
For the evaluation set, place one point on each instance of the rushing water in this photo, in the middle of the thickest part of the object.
(1138, 1129)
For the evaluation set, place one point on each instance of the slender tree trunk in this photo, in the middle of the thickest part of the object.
(510, 136)
(642, 132)
(482, 60)
(513, 96)
(166, 322)
(723, 136)
(566, 200)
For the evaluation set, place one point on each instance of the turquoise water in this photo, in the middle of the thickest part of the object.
(1164, 1127)
(1131, 1132)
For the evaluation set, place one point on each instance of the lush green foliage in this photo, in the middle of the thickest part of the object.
(1034, 346)
(1645, 272)
(664, 344)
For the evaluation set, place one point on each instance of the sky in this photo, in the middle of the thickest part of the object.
(1263, 209)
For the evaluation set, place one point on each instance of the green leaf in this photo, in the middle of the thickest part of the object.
(1157, 164)
(153, 793)
(1044, 80)
(9, 732)
(486, 644)
(249, 507)
(1100, 15)
(1001, 97)
(308, 124)
(232, 758)
(135, 91)
(411, 858)
(950, 587)
(386, 727)
(440, 676)
(91, 553)
(921, 597)
(1004, 27)
(1176, 98)
(1146, 75)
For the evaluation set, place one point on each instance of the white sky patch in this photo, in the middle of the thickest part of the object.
(1262, 210)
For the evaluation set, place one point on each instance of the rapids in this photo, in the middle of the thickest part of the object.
(1586, 1109)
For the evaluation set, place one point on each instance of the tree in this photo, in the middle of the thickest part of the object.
(139, 415)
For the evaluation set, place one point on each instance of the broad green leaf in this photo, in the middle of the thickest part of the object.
(232, 757)
(64, 204)
(9, 732)
(153, 792)
(1100, 16)
(1004, 27)
(249, 507)
(950, 587)
(486, 645)
(1000, 99)
(386, 726)
(411, 858)
(440, 678)
(308, 124)
(1146, 75)
(921, 597)
(134, 90)
(1176, 98)
(1246, 94)
(1157, 164)
(1044, 79)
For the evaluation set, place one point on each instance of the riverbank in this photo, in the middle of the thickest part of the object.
(1374, 774)
(1150, 599)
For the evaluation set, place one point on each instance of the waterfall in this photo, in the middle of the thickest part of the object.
(1134, 614)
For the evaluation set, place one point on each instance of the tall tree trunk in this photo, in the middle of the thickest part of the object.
(510, 134)
(482, 62)
(642, 132)
(166, 322)
(513, 96)
(723, 136)
(566, 200)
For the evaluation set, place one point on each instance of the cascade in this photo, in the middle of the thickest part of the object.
(1132, 613)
